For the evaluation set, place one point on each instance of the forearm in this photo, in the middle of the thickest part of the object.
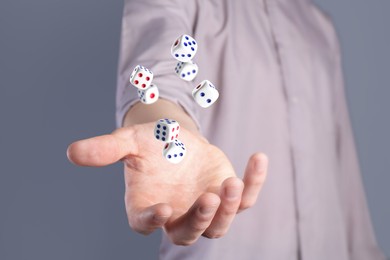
(141, 113)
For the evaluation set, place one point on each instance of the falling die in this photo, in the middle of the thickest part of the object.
(149, 95)
(166, 130)
(184, 48)
(141, 77)
(186, 70)
(174, 152)
(205, 94)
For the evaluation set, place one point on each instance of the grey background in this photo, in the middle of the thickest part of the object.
(57, 80)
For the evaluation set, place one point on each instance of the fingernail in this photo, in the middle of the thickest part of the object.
(232, 193)
(206, 210)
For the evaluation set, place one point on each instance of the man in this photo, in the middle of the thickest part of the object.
(277, 66)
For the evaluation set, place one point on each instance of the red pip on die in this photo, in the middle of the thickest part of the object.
(141, 77)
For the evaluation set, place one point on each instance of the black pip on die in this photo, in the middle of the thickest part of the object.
(174, 152)
(186, 70)
(184, 48)
(205, 94)
(166, 130)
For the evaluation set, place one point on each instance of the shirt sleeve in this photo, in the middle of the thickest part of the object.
(149, 28)
(361, 238)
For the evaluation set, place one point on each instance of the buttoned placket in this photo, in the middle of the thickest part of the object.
(291, 97)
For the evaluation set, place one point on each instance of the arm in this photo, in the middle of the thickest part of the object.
(199, 196)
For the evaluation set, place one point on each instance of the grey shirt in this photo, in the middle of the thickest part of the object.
(276, 64)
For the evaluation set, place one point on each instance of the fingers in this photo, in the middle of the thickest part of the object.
(189, 227)
(211, 215)
(235, 195)
(231, 192)
(147, 220)
(103, 150)
(254, 177)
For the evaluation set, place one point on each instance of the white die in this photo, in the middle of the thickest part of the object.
(141, 77)
(150, 95)
(166, 130)
(184, 48)
(186, 70)
(174, 152)
(205, 94)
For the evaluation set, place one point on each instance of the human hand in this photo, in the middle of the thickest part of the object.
(199, 196)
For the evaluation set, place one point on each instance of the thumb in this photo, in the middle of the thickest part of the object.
(103, 150)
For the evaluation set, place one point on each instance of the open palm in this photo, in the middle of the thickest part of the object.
(199, 196)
